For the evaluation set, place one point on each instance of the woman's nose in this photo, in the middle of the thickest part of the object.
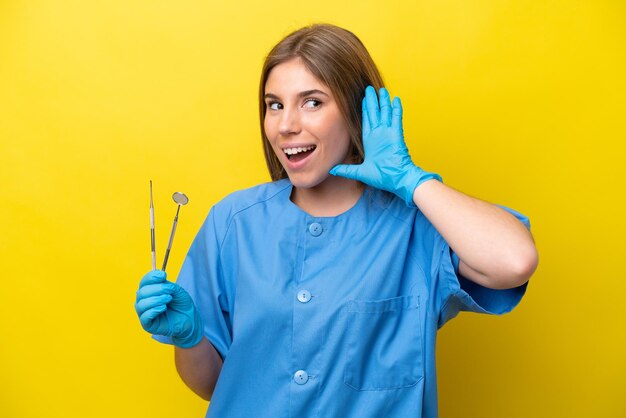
(289, 123)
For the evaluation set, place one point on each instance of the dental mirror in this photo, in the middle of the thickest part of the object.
(179, 199)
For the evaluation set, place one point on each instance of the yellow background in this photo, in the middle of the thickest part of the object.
(516, 102)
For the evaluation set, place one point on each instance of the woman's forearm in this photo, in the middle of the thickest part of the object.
(199, 367)
(496, 250)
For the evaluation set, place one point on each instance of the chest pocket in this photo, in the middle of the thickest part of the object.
(384, 344)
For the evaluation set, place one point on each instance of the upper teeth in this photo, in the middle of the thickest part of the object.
(292, 151)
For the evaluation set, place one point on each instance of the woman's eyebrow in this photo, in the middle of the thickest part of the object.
(301, 94)
(311, 92)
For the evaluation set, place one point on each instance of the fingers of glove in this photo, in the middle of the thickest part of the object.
(350, 171)
(385, 107)
(180, 293)
(365, 123)
(144, 305)
(147, 318)
(396, 113)
(180, 299)
(371, 102)
(154, 276)
(166, 288)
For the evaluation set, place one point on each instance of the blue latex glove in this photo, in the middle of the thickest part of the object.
(165, 308)
(387, 163)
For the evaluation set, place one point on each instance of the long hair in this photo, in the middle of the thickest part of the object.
(336, 57)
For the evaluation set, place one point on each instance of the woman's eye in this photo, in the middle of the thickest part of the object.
(312, 103)
(274, 106)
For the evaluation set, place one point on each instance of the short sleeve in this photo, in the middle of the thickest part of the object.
(202, 277)
(460, 294)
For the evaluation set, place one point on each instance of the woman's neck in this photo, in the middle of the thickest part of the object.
(332, 197)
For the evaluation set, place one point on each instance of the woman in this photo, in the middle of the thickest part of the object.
(320, 294)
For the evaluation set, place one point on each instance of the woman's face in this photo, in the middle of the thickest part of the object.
(304, 124)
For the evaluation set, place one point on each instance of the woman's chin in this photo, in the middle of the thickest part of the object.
(301, 181)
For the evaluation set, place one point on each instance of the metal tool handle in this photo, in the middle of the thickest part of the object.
(152, 239)
(169, 245)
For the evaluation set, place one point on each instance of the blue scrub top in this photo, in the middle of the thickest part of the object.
(326, 316)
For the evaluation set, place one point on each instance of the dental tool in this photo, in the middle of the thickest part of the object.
(180, 200)
(152, 240)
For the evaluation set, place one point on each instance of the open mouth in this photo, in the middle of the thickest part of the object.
(299, 153)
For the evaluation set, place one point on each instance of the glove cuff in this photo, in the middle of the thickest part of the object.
(415, 178)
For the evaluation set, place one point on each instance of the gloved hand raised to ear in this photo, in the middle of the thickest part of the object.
(387, 163)
(165, 308)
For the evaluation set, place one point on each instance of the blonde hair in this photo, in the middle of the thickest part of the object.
(336, 57)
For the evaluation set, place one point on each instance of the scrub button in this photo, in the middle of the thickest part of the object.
(301, 377)
(315, 229)
(304, 296)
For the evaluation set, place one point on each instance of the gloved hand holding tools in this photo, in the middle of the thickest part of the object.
(165, 308)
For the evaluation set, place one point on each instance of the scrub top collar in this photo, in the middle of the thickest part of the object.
(369, 195)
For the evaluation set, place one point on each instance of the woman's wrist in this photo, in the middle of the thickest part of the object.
(414, 177)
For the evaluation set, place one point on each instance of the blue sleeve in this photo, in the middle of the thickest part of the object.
(460, 294)
(202, 277)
